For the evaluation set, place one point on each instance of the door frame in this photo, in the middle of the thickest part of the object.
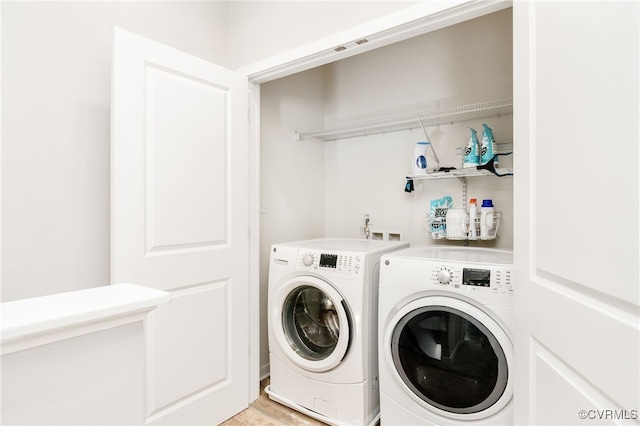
(401, 25)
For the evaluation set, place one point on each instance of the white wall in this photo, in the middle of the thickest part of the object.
(55, 133)
(467, 63)
(55, 113)
(91, 379)
(292, 172)
(304, 198)
(261, 29)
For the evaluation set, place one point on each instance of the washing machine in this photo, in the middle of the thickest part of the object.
(322, 302)
(446, 321)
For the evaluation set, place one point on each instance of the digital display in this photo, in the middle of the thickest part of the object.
(328, 260)
(476, 277)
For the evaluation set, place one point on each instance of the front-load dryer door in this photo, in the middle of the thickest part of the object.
(311, 323)
(451, 357)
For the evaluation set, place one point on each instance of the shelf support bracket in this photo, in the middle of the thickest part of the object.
(464, 193)
(463, 181)
(426, 135)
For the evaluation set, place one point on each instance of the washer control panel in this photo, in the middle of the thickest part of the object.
(340, 263)
(492, 279)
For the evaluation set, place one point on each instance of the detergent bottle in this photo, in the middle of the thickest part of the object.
(420, 158)
(487, 214)
(473, 212)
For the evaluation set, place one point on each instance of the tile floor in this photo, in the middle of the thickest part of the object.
(266, 412)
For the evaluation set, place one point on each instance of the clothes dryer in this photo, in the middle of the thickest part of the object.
(322, 303)
(445, 336)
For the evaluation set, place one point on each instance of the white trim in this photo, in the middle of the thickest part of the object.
(33, 322)
(398, 26)
(255, 374)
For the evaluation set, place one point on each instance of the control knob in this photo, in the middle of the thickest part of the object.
(444, 275)
(307, 259)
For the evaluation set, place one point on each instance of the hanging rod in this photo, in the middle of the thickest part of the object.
(452, 115)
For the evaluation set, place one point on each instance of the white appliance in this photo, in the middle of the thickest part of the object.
(322, 305)
(445, 332)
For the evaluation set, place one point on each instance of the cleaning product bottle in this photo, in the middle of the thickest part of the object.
(473, 212)
(487, 213)
(471, 158)
(420, 158)
(488, 146)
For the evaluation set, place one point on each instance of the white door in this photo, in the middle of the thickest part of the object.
(180, 223)
(576, 212)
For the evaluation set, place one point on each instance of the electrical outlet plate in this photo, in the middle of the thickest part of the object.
(386, 235)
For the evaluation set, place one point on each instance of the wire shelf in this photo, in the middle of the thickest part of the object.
(463, 173)
(439, 228)
(496, 108)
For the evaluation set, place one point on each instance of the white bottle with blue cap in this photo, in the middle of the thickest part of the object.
(420, 158)
(487, 214)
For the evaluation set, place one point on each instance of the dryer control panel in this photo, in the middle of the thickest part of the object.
(492, 279)
(340, 263)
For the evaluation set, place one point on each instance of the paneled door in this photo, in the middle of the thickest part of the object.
(576, 92)
(180, 223)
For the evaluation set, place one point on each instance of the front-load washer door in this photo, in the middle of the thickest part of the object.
(311, 323)
(451, 357)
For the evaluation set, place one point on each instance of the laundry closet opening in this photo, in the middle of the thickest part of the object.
(312, 188)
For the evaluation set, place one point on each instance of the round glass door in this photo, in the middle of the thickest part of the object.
(314, 324)
(311, 323)
(451, 360)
